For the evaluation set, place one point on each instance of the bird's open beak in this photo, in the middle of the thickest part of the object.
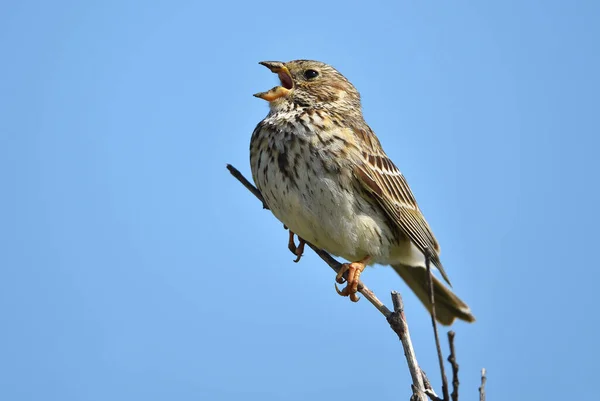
(285, 77)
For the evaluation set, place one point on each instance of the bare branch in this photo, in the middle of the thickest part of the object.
(454, 364)
(435, 330)
(397, 321)
(482, 387)
(236, 173)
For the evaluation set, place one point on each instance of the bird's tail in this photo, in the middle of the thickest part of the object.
(447, 305)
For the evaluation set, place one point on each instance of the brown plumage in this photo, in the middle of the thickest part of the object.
(324, 174)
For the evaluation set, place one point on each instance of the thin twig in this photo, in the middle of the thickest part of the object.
(397, 321)
(435, 330)
(482, 387)
(236, 173)
(428, 389)
(334, 264)
(454, 364)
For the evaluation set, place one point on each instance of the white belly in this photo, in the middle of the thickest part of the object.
(323, 214)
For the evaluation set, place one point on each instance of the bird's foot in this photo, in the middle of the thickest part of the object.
(354, 270)
(296, 250)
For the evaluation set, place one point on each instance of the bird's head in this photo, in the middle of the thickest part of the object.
(312, 84)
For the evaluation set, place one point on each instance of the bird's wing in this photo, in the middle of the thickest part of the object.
(384, 181)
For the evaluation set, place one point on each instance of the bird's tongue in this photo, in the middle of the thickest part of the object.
(286, 80)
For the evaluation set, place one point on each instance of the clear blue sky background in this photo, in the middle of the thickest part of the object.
(133, 267)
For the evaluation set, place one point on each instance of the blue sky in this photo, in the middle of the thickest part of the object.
(132, 266)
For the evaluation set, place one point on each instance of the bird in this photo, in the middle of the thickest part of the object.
(323, 173)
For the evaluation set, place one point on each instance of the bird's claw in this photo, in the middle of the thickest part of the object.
(296, 250)
(354, 270)
(345, 292)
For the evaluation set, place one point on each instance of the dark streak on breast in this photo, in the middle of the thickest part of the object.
(286, 170)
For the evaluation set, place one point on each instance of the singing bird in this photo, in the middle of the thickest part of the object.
(324, 175)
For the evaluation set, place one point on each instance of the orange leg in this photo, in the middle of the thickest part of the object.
(354, 270)
(298, 251)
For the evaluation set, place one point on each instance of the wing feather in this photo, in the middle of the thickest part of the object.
(384, 181)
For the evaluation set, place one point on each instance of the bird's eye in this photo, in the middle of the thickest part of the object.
(310, 74)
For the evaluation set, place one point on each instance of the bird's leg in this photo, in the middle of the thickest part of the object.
(299, 250)
(354, 270)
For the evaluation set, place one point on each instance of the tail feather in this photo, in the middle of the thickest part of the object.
(447, 305)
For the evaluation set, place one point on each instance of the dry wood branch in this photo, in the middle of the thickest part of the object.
(236, 173)
(454, 364)
(397, 321)
(482, 387)
(435, 331)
